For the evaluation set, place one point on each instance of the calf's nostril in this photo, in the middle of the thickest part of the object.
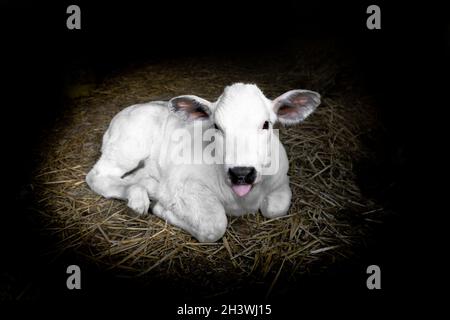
(251, 176)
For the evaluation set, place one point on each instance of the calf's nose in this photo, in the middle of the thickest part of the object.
(242, 175)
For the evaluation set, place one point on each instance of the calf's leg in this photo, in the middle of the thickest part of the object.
(114, 180)
(194, 208)
(277, 203)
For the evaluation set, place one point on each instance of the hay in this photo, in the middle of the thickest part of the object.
(328, 216)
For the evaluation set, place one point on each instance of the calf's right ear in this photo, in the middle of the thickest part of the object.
(190, 108)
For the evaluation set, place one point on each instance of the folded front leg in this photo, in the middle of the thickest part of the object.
(192, 207)
(277, 202)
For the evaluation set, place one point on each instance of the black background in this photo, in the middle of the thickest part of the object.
(397, 64)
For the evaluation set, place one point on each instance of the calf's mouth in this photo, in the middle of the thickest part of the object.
(241, 189)
(242, 179)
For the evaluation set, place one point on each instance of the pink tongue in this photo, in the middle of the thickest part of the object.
(241, 189)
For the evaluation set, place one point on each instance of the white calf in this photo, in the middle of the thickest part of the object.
(195, 197)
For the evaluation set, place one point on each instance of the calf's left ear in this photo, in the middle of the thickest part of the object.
(190, 108)
(295, 106)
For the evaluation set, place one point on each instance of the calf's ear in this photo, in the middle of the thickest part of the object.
(295, 106)
(190, 108)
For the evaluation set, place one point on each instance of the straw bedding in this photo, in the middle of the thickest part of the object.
(328, 218)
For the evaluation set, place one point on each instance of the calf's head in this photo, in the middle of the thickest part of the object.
(243, 119)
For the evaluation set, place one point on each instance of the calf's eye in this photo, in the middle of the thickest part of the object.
(266, 125)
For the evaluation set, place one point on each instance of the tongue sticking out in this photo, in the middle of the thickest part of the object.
(241, 189)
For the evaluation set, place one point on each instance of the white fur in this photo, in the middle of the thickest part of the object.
(194, 197)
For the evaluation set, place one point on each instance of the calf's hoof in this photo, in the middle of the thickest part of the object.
(138, 199)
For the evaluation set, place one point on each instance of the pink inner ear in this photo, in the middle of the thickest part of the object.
(300, 100)
(285, 110)
(190, 108)
(183, 104)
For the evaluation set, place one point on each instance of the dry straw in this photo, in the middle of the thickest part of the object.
(328, 217)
